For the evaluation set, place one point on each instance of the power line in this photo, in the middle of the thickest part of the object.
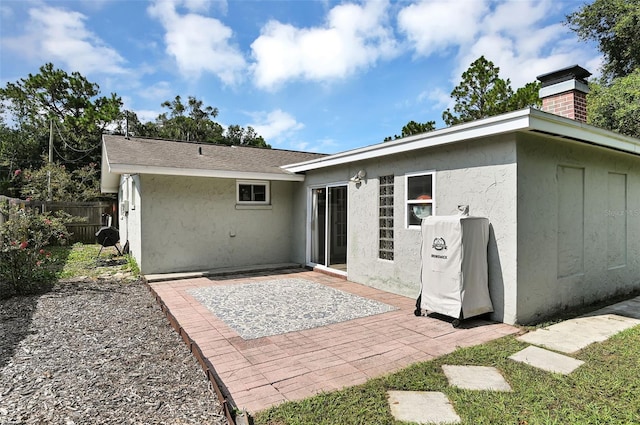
(70, 160)
(68, 145)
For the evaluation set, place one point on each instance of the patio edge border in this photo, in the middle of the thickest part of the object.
(231, 412)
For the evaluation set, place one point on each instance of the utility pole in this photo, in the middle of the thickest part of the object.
(49, 197)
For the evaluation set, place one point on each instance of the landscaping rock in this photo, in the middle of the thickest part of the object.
(97, 352)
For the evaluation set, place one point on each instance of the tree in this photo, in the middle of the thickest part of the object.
(192, 122)
(237, 135)
(614, 101)
(412, 128)
(251, 138)
(17, 151)
(55, 182)
(616, 106)
(79, 113)
(189, 122)
(23, 259)
(482, 93)
(233, 135)
(615, 26)
(525, 97)
(68, 104)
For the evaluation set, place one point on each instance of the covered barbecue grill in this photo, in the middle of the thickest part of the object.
(454, 273)
(108, 236)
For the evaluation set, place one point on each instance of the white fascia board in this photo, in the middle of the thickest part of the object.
(186, 172)
(108, 189)
(568, 128)
(108, 181)
(514, 121)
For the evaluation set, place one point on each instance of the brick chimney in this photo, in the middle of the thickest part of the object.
(564, 92)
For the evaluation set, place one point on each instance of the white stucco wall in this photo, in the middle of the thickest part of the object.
(129, 222)
(480, 173)
(579, 225)
(192, 223)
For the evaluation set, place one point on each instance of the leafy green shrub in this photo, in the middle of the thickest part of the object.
(23, 259)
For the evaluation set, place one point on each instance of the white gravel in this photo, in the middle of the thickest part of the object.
(98, 352)
(278, 306)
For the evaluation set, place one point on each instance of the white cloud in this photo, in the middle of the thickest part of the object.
(147, 115)
(325, 145)
(197, 5)
(60, 36)
(300, 146)
(6, 12)
(159, 91)
(514, 35)
(354, 37)
(199, 43)
(437, 97)
(320, 146)
(275, 125)
(433, 26)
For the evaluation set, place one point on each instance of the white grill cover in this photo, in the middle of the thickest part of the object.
(454, 274)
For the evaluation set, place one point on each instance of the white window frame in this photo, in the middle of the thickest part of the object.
(409, 202)
(267, 191)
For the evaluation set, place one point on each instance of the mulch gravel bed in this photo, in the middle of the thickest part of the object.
(98, 352)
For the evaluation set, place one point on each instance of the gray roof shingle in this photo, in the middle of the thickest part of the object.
(154, 153)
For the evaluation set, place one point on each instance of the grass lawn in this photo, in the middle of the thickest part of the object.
(605, 390)
(83, 260)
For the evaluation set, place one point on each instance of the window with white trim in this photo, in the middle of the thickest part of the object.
(420, 192)
(254, 192)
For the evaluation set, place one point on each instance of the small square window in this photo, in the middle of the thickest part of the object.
(419, 197)
(252, 192)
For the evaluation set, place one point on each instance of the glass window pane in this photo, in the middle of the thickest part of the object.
(419, 202)
(259, 193)
(244, 192)
(419, 186)
(412, 219)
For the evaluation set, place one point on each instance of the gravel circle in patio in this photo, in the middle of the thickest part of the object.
(98, 352)
(278, 306)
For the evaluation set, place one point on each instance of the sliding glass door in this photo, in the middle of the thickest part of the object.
(329, 227)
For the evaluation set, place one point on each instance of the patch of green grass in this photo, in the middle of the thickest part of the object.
(86, 260)
(132, 265)
(604, 390)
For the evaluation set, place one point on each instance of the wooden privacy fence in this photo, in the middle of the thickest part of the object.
(96, 213)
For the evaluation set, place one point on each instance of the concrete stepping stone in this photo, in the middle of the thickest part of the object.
(547, 360)
(422, 407)
(476, 378)
(575, 334)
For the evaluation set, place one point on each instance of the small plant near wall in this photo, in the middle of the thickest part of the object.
(132, 265)
(24, 258)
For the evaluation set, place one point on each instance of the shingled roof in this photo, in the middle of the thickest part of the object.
(122, 155)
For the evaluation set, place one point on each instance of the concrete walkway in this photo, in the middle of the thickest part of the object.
(570, 336)
(265, 371)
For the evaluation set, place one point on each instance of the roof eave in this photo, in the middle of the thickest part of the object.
(571, 129)
(522, 120)
(109, 182)
(513, 121)
(120, 169)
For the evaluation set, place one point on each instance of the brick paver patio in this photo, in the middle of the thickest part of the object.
(263, 372)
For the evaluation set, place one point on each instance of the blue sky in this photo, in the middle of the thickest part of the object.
(319, 76)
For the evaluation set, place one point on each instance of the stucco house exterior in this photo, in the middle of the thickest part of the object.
(562, 197)
(189, 206)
